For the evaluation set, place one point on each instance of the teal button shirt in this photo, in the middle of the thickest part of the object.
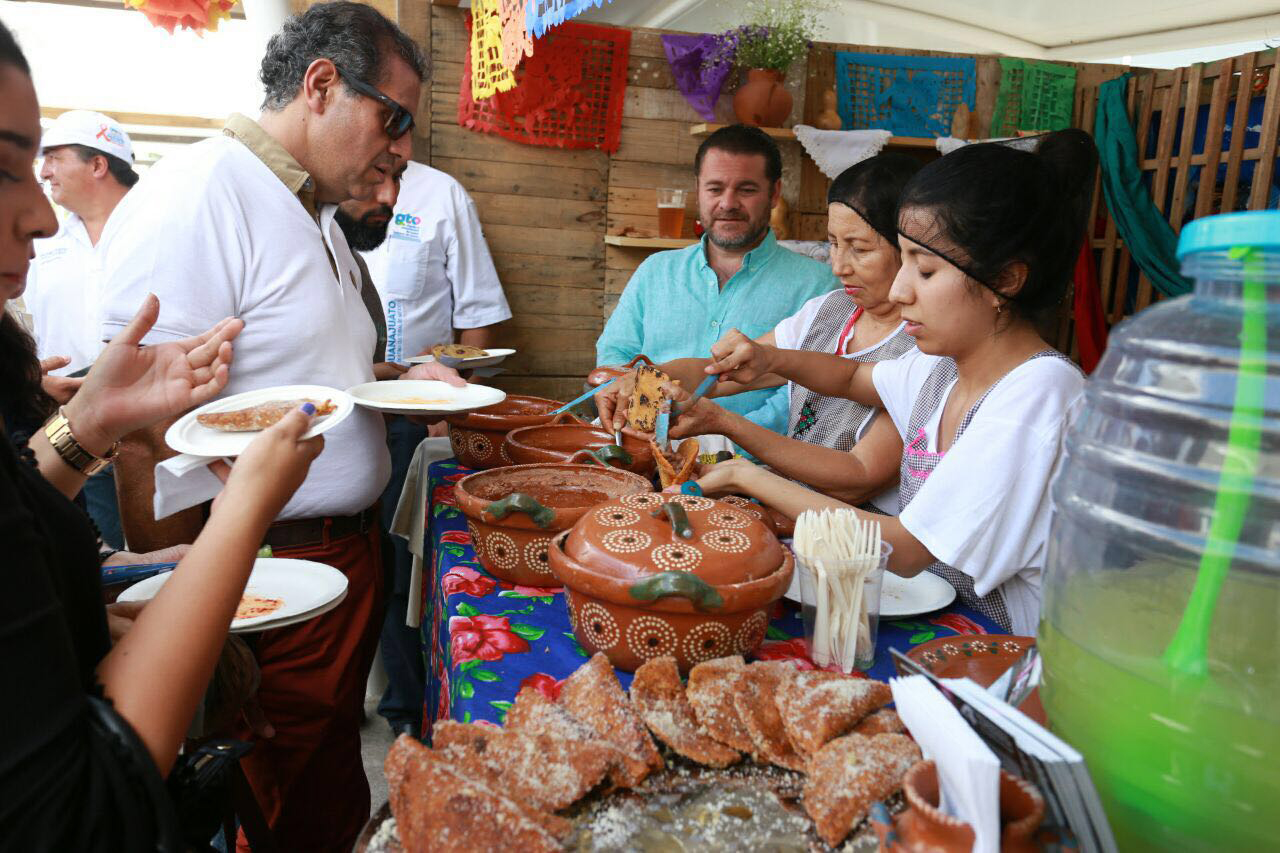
(673, 307)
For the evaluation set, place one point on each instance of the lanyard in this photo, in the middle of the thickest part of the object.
(848, 330)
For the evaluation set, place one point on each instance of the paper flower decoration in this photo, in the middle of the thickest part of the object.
(516, 41)
(488, 73)
(199, 15)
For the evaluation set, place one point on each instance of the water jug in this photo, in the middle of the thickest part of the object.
(1183, 747)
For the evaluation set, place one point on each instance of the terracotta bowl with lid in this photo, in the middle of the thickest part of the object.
(513, 512)
(660, 574)
(568, 439)
(477, 437)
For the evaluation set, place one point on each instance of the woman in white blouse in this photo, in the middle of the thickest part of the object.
(988, 236)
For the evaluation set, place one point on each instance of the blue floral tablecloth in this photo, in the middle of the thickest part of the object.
(483, 639)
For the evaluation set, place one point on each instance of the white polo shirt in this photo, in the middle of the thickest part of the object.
(433, 271)
(62, 296)
(213, 232)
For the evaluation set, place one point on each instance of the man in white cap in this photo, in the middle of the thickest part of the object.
(88, 165)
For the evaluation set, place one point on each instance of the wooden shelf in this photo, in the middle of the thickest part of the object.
(648, 242)
(707, 128)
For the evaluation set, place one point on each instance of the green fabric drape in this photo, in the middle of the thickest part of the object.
(1143, 228)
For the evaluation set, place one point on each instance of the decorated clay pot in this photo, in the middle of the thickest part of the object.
(657, 574)
(477, 437)
(569, 439)
(762, 101)
(603, 374)
(513, 512)
(922, 827)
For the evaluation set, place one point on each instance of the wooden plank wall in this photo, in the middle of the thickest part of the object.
(1152, 95)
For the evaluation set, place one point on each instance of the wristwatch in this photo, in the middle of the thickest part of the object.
(58, 431)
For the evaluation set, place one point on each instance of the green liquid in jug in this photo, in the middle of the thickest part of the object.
(1181, 763)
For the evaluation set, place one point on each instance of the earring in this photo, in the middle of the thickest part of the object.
(999, 307)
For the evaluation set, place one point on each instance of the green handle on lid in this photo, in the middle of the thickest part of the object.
(520, 502)
(681, 584)
(1188, 650)
(677, 518)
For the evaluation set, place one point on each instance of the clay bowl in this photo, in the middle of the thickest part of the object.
(656, 595)
(923, 827)
(604, 373)
(513, 547)
(559, 443)
(982, 658)
(477, 437)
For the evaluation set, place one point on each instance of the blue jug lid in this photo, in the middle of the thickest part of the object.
(1260, 228)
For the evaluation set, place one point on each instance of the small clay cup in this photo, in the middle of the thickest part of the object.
(477, 437)
(562, 439)
(511, 540)
(922, 827)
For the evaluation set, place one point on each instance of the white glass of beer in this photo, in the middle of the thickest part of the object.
(670, 212)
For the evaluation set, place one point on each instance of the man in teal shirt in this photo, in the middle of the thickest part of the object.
(678, 303)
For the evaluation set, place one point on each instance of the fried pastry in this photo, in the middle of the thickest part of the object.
(260, 416)
(710, 692)
(647, 398)
(440, 810)
(677, 466)
(818, 706)
(880, 722)
(755, 699)
(593, 694)
(851, 773)
(658, 696)
(550, 773)
(458, 351)
(253, 606)
(533, 713)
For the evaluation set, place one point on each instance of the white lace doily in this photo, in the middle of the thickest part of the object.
(836, 150)
(947, 144)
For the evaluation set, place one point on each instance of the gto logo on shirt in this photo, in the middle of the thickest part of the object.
(406, 226)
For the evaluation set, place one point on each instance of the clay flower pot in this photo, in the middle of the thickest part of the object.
(762, 101)
(477, 437)
(565, 439)
(513, 512)
(696, 581)
(922, 827)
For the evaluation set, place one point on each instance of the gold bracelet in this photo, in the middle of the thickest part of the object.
(58, 431)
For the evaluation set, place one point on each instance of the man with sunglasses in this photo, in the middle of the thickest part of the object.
(244, 225)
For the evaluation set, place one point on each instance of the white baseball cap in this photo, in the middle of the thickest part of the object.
(94, 130)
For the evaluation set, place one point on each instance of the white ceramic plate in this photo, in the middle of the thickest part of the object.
(495, 355)
(439, 398)
(899, 596)
(188, 436)
(308, 589)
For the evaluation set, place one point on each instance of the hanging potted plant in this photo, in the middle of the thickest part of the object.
(777, 34)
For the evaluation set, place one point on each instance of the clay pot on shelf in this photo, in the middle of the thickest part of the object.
(477, 437)
(696, 581)
(569, 439)
(922, 827)
(762, 101)
(513, 512)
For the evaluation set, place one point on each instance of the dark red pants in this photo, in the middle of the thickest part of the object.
(309, 778)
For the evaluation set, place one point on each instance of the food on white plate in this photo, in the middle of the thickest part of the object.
(458, 351)
(260, 416)
(253, 606)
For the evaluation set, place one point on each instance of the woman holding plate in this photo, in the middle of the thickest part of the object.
(988, 236)
(858, 322)
(90, 728)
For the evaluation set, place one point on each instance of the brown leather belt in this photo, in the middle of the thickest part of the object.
(305, 532)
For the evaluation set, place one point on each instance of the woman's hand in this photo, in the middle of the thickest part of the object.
(734, 476)
(272, 468)
(434, 370)
(121, 616)
(132, 386)
(60, 388)
(703, 418)
(611, 402)
(740, 359)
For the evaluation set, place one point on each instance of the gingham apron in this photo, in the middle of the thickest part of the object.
(833, 421)
(918, 463)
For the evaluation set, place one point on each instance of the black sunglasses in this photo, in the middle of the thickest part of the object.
(399, 122)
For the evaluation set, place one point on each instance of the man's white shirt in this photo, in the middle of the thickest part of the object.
(434, 272)
(63, 294)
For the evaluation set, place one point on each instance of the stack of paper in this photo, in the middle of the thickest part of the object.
(968, 772)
